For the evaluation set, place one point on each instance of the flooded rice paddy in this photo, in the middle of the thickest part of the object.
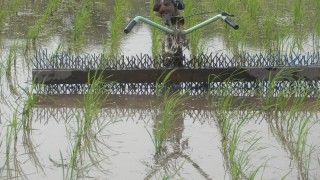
(170, 136)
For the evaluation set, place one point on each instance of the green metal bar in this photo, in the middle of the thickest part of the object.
(188, 31)
(154, 24)
(205, 23)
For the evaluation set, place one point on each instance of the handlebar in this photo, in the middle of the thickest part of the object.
(229, 21)
(130, 26)
(232, 24)
(223, 16)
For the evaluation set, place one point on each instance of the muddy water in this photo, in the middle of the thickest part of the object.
(193, 149)
(120, 142)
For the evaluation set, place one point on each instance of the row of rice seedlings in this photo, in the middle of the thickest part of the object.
(277, 96)
(297, 12)
(35, 30)
(81, 22)
(12, 59)
(266, 29)
(20, 124)
(170, 111)
(11, 63)
(27, 129)
(255, 8)
(191, 20)
(15, 5)
(237, 145)
(87, 130)
(219, 5)
(291, 129)
(272, 85)
(28, 105)
(113, 47)
(7, 8)
(1, 70)
(12, 166)
(292, 133)
(3, 15)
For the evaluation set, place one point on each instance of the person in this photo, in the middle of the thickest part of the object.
(168, 7)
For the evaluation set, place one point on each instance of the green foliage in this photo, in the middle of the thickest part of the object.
(162, 81)
(35, 30)
(237, 145)
(117, 26)
(12, 58)
(81, 22)
(192, 7)
(87, 128)
(170, 111)
(3, 15)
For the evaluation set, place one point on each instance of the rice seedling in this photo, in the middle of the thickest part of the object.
(12, 166)
(81, 22)
(194, 38)
(297, 12)
(291, 128)
(272, 83)
(1, 70)
(29, 104)
(170, 110)
(237, 145)
(86, 131)
(254, 7)
(15, 6)
(292, 134)
(35, 30)
(117, 24)
(12, 58)
(162, 82)
(220, 4)
(3, 15)
(11, 63)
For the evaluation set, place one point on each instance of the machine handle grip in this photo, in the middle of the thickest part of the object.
(130, 26)
(232, 24)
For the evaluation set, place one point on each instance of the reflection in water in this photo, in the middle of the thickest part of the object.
(238, 145)
(99, 153)
(173, 156)
(50, 137)
(293, 126)
(29, 146)
(292, 131)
